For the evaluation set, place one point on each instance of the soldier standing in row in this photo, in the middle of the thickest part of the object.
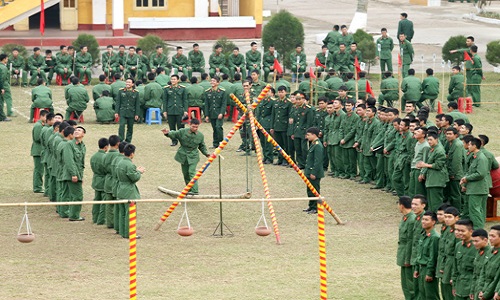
(127, 108)
(174, 105)
(215, 107)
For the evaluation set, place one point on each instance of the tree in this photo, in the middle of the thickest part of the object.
(367, 47)
(454, 42)
(91, 42)
(149, 42)
(493, 53)
(284, 31)
(360, 18)
(227, 46)
(7, 49)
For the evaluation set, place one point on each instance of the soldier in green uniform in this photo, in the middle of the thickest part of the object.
(488, 283)
(303, 119)
(475, 184)
(456, 86)
(132, 65)
(411, 87)
(389, 90)
(194, 94)
(347, 139)
(175, 105)
(228, 87)
(196, 61)
(140, 87)
(50, 65)
(44, 136)
(324, 59)
(405, 27)
(268, 63)
(253, 58)
(402, 164)
(107, 58)
(372, 126)
(100, 87)
(114, 143)
(492, 162)
(426, 259)
(73, 162)
(143, 63)
(158, 60)
(474, 74)
(434, 172)
(77, 99)
(128, 175)
(180, 62)
(483, 251)
(314, 166)
(61, 188)
(117, 86)
(455, 155)
(264, 114)
(345, 37)
(383, 52)
(390, 148)
(331, 40)
(215, 107)
(127, 108)
(104, 108)
(417, 186)
(64, 66)
(117, 208)
(153, 94)
(280, 81)
(187, 155)
(118, 61)
(405, 246)
(334, 83)
(418, 204)
(430, 89)
(236, 63)
(84, 64)
(447, 256)
(98, 168)
(53, 162)
(5, 95)
(463, 268)
(36, 66)
(41, 96)
(361, 112)
(377, 147)
(353, 53)
(18, 66)
(320, 114)
(333, 136)
(406, 52)
(36, 152)
(299, 63)
(205, 81)
(280, 115)
(342, 60)
(217, 62)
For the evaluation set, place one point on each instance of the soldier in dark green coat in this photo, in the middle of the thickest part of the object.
(36, 66)
(100, 87)
(158, 60)
(175, 104)
(371, 129)
(405, 246)
(325, 59)
(264, 114)
(303, 119)
(143, 63)
(236, 63)
(345, 37)
(483, 251)
(191, 141)
(430, 89)
(279, 122)
(194, 94)
(83, 64)
(342, 60)
(64, 66)
(127, 108)
(217, 62)
(41, 96)
(118, 61)
(389, 90)
(353, 53)
(98, 168)
(107, 58)
(411, 87)
(406, 52)
(455, 156)
(196, 61)
(268, 63)
(383, 51)
(474, 74)
(77, 99)
(405, 27)
(128, 176)
(489, 280)
(18, 66)
(133, 65)
(347, 135)
(456, 86)
(333, 136)
(314, 166)
(463, 268)
(117, 86)
(36, 152)
(475, 184)
(253, 58)
(5, 95)
(50, 65)
(215, 108)
(114, 144)
(299, 62)
(104, 108)
(402, 164)
(332, 39)
(426, 259)
(180, 62)
(153, 94)
(447, 256)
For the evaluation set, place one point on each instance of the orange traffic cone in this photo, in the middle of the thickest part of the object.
(440, 109)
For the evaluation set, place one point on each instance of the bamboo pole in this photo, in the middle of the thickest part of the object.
(176, 194)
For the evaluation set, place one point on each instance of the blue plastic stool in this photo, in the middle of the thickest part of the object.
(150, 112)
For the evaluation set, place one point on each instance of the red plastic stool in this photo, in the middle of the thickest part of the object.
(80, 119)
(468, 105)
(462, 102)
(235, 115)
(36, 113)
(117, 119)
(85, 80)
(228, 109)
(58, 79)
(196, 111)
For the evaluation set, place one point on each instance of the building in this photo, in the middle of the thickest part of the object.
(170, 19)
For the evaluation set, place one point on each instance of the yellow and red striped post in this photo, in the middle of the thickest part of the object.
(323, 283)
(271, 140)
(132, 219)
(212, 157)
(262, 171)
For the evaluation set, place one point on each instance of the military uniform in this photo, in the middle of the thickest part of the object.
(456, 87)
(108, 186)
(128, 176)
(143, 66)
(430, 90)
(448, 261)
(474, 73)
(217, 61)
(332, 41)
(385, 54)
(119, 63)
(406, 51)
(426, 261)
(463, 269)
(455, 155)
(96, 163)
(180, 61)
(77, 101)
(404, 253)
(36, 152)
(369, 160)
(334, 83)
(159, 60)
(18, 65)
(45, 134)
(377, 144)
(153, 96)
(142, 112)
(107, 63)
(264, 114)
(194, 95)
(342, 62)
(133, 67)
(73, 164)
(326, 61)
(303, 119)
(298, 66)
(477, 188)
(187, 155)
(228, 87)
(175, 105)
(267, 63)
(196, 62)
(117, 208)
(55, 167)
(360, 127)
(50, 68)
(480, 260)
(41, 96)
(406, 26)
(390, 149)
(104, 109)
(84, 61)
(6, 96)
(283, 82)
(353, 55)
(253, 58)
(36, 66)
(389, 91)
(116, 87)
(215, 105)
(348, 134)
(99, 88)
(435, 177)
(404, 153)
(314, 166)
(280, 116)
(162, 79)
(412, 89)
(421, 153)
(127, 107)
(333, 136)
(236, 61)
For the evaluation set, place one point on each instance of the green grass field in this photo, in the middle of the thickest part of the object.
(79, 260)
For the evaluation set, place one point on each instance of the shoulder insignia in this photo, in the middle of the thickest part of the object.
(222, 89)
(308, 106)
(167, 86)
(208, 89)
(122, 89)
(182, 86)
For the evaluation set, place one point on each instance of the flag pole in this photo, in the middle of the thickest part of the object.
(356, 81)
(400, 79)
(465, 85)
(311, 88)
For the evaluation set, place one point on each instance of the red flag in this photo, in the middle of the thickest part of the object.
(467, 56)
(42, 17)
(277, 66)
(311, 73)
(369, 89)
(400, 61)
(356, 65)
(318, 63)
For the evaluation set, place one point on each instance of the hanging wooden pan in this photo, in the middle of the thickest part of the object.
(25, 237)
(262, 231)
